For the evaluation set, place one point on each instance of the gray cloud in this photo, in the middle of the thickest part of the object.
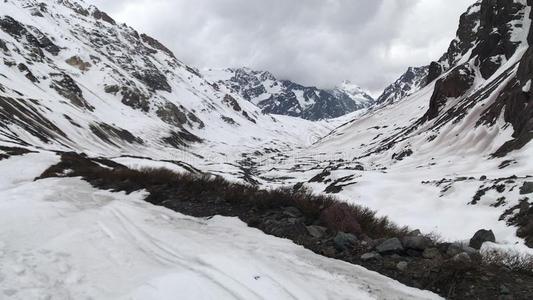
(315, 42)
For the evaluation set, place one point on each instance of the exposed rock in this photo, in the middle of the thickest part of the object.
(338, 218)
(416, 242)
(454, 85)
(431, 253)
(415, 232)
(344, 241)
(527, 188)
(316, 231)
(410, 82)
(402, 266)
(77, 62)
(100, 15)
(462, 257)
(24, 69)
(371, 256)
(389, 246)
(481, 237)
(292, 212)
(156, 44)
(67, 87)
(435, 70)
(454, 249)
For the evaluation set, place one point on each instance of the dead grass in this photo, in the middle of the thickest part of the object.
(513, 260)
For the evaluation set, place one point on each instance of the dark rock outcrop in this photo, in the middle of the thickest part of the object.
(481, 237)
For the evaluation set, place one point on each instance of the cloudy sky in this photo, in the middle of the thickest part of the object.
(314, 42)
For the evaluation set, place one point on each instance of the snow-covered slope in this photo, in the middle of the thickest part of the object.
(284, 97)
(63, 239)
(455, 156)
(74, 79)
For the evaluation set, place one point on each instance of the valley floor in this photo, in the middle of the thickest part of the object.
(60, 238)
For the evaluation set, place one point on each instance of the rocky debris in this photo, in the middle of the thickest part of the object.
(344, 241)
(526, 188)
(316, 231)
(402, 266)
(481, 237)
(77, 62)
(416, 242)
(292, 212)
(462, 258)
(431, 253)
(393, 245)
(371, 256)
(338, 218)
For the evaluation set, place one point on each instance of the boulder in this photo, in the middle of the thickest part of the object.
(390, 246)
(527, 188)
(292, 212)
(402, 266)
(481, 237)
(454, 249)
(338, 218)
(415, 232)
(316, 231)
(416, 242)
(431, 253)
(462, 258)
(370, 256)
(344, 241)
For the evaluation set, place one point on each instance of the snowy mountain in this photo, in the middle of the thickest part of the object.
(457, 149)
(410, 82)
(284, 97)
(91, 110)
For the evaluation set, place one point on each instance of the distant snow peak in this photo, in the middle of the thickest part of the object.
(285, 97)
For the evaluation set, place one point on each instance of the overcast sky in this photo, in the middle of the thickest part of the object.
(314, 42)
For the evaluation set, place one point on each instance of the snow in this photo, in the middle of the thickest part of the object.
(60, 238)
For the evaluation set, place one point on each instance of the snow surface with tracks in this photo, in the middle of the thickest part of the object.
(62, 239)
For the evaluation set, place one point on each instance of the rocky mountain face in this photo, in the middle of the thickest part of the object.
(469, 126)
(284, 97)
(71, 77)
(410, 82)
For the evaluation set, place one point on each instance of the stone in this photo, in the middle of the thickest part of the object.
(415, 232)
(370, 256)
(344, 241)
(316, 231)
(527, 188)
(454, 249)
(292, 212)
(390, 246)
(462, 258)
(431, 253)
(416, 242)
(338, 218)
(481, 237)
(402, 266)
